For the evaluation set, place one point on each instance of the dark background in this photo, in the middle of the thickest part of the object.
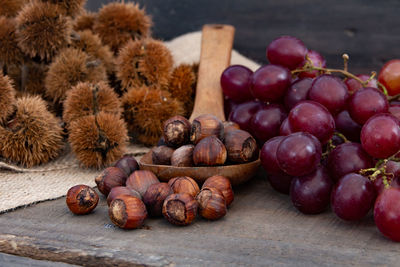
(369, 31)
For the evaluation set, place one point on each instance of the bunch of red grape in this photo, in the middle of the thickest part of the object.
(328, 137)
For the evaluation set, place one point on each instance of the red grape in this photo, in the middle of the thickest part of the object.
(298, 154)
(330, 92)
(354, 85)
(229, 106)
(287, 51)
(297, 92)
(387, 213)
(280, 182)
(380, 136)
(312, 117)
(389, 76)
(236, 82)
(269, 83)
(317, 60)
(365, 103)
(268, 155)
(347, 126)
(285, 129)
(310, 194)
(243, 113)
(352, 197)
(395, 110)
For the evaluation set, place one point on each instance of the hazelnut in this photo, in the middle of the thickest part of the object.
(121, 190)
(184, 184)
(162, 155)
(210, 151)
(204, 126)
(212, 204)
(141, 180)
(109, 178)
(155, 196)
(176, 131)
(241, 146)
(127, 212)
(180, 209)
(81, 199)
(223, 184)
(230, 126)
(128, 164)
(183, 156)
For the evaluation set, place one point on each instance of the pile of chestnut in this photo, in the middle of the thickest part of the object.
(134, 194)
(207, 141)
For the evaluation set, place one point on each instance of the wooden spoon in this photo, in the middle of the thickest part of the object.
(216, 48)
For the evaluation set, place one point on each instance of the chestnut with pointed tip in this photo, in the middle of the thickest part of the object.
(161, 155)
(81, 199)
(223, 184)
(183, 156)
(127, 212)
(140, 180)
(127, 164)
(121, 190)
(210, 151)
(204, 126)
(212, 204)
(184, 184)
(109, 178)
(155, 196)
(176, 131)
(241, 146)
(180, 209)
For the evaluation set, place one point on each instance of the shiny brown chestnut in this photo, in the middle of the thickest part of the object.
(140, 180)
(204, 126)
(183, 156)
(230, 126)
(180, 209)
(212, 204)
(128, 164)
(127, 212)
(184, 184)
(109, 178)
(154, 198)
(210, 151)
(161, 155)
(81, 199)
(121, 190)
(223, 184)
(176, 131)
(241, 146)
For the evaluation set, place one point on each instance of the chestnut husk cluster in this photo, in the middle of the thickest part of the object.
(112, 47)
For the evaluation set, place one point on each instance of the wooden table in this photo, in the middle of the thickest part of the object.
(261, 228)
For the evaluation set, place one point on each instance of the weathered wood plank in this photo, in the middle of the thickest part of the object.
(16, 261)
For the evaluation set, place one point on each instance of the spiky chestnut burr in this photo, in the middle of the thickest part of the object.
(28, 78)
(144, 62)
(117, 23)
(84, 21)
(7, 97)
(86, 99)
(42, 30)
(146, 109)
(90, 43)
(98, 140)
(70, 8)
(32, 135)
(10, 53)
(10, 8)
(69, 68)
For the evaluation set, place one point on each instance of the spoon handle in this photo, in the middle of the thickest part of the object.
(215, 57)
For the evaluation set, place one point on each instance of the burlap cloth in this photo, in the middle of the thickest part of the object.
(20, 187)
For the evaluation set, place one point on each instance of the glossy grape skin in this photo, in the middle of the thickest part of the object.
(229, 106)
(387, 213)
(280, 182)
(389, 76)
(330, 92)
(317, 61)
(354, 85)
(298, 91)
(365, 103)
(380, 136)
(236, 82)
(270, 82)
(285, 128)
(267, 121)
(352, 197)
(287, 51)
(312, 117)
(310, 194)
(298, 154)
(347, 126)
(347, 158)
(243, 113)
(395, 110)
(268, 156)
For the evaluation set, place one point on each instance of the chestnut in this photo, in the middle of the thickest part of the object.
(140, 180)
(121, 190)
(241, 146)
(176, 131)
(204, 126)
(81, 199)
(127, 212)
(230, 126)
(223, 184)
(155, 196)
(184, 184)
(210, 151)
(183, 156)
(109, 178)
(180, 209)
(212, 204)
(162, 155)
(128, 164)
